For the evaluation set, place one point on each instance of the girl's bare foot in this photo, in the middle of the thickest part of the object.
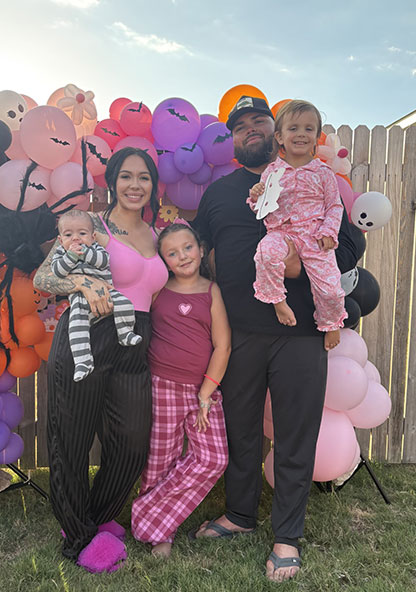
(162, 550)
(280, 574)
(332, 338)
(284, 313)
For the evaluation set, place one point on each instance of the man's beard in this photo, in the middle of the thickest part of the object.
(255, 155)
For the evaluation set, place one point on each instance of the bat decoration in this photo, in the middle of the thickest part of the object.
(189, 149)
(139, 108)
(220, 139)
(62, 142)
(107, 131)
(178, 115)
(38, 186)
(93, 150)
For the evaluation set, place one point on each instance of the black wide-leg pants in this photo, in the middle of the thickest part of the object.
(294, 369)
(115, 401)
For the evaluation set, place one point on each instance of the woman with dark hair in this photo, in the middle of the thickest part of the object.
(115, 400)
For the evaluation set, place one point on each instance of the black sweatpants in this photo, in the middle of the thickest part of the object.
(294, 369)
(115, 401)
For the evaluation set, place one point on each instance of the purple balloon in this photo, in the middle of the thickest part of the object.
(202, 176)
(206, 119)
(4, 434)
(7, 381)
(168, 173)
(222, 170)
(175, 122)
(13, 450)
(216, 142)
(185, 194)
(12, 412)
(188, 158)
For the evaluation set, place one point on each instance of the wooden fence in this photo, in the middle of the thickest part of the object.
(382, 160)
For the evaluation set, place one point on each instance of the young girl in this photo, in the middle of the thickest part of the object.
(309, 212)
(188, 356)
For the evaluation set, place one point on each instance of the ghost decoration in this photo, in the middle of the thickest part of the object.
(371, 210)
(268, 201)
(12, 108)
(349, 280)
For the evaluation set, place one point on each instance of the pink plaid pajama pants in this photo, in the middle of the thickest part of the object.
(173, 485)
(321, 267)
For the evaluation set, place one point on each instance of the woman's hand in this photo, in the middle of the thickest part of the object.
(202, 421)
(97, 294)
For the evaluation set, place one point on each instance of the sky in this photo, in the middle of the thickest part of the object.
(355, 60)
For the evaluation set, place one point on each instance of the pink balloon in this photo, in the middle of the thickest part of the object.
(11, 176)
(336, 446)
(12, 412)
(268, 407)
(269, 468)
(175, 122)
(138, 142)
(110, 131)
(100, 180)
(372, 372)
(223, 169)
(216, 142)
(136, 119)
(352, 345)
(346, 383)
(185, 194)
(15, 150)
(346, 193)
(80, 202)
(161, 189)
(29, 102)
(374, 409)
(48, 136)
(117, 107)
(13, 450)
(98, 153)
(68, 178)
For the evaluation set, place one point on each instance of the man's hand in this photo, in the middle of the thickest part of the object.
(292, 262)
(326, 243)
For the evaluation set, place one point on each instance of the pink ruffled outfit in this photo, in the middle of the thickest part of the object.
(309, 209)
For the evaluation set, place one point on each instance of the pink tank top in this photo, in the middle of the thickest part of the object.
(181, 345)
(135, 276)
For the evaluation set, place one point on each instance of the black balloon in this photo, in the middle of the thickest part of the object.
(367, 292)
(359, 240)
(354, 313)
(5, 136)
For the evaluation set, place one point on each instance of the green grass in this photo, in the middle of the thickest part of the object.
(353, 542)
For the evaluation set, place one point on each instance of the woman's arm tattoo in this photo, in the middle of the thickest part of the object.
(45, 280)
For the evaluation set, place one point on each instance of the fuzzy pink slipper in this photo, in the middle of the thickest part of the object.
(104, 553)
(112, 527)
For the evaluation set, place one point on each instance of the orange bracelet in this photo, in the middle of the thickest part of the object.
(212, 380)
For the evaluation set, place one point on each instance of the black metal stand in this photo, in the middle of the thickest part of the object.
(327, 487)
(25, 481)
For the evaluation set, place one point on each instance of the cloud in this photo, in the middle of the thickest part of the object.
(150, 42)
(82, 4)
(384, 67)
(414, 72)
(61, 24)
(394, 49)
(351, 58)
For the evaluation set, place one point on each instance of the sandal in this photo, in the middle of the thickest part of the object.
(222, 532)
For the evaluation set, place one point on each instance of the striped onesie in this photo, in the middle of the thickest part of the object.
(94, 262)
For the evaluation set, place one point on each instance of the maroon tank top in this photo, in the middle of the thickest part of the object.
(181, 345)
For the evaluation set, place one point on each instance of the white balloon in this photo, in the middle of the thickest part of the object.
(371, 210)
(12, 108)
(349, 280)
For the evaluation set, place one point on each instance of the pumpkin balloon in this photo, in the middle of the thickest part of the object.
(24, 361)
(43, 347)
(30, 329)
(25, 298)
(232, 95)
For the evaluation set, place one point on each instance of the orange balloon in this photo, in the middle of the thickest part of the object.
(322, 139)
(232, 95)
(3, 361)
(29, 329)
(24, 361)
(25, 298)
(43, 347)
(279, 104)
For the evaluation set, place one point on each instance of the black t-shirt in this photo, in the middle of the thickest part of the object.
(226, 223)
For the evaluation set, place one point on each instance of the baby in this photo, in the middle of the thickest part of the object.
(80, 254)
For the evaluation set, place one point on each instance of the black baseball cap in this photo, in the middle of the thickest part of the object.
(245, 105)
